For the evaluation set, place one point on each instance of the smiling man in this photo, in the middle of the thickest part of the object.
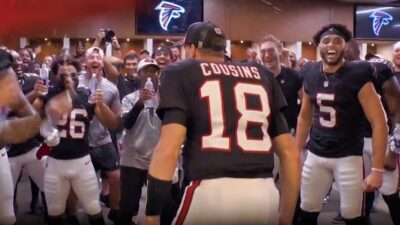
(336, 96)
(104, 155)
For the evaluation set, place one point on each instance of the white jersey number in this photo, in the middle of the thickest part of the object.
(331, 122)
(216, 139)
(75, 128)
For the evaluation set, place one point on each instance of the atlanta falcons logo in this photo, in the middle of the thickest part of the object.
(168, 10)
(380, 19)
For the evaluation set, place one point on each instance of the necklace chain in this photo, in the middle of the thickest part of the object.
(324, 74)
(326, 82)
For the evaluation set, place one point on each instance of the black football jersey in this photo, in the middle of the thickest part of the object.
(126, 86)
(290, 83)
(27, 83)
(337, 113)
(231, 112)
(74, 127)
(382, 73)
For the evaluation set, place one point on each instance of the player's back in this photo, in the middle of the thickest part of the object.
(228, 109)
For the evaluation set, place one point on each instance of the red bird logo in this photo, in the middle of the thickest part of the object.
(168, 10)
(379, 19)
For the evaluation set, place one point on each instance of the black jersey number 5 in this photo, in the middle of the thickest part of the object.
(216, 139)
(72, 127)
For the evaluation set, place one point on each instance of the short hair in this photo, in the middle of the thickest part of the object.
(162, 48)
(131, 56)
(396, 45)
(26, 49)
(339, 28)
(62, 61)
(6, 60)
(144, 51)
(175, 46)
(211, 52)
(273, 39)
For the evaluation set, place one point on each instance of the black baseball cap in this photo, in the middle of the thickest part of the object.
(205, 35)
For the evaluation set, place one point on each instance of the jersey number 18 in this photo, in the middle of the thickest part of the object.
(216, 139)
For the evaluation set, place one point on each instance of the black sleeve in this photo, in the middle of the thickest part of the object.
(174, 116)
(131, 117)
(278, 124)
(172, 96)
(385, 72)
(298, 80)
(367, 75)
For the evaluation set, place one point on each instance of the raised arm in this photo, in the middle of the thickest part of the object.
(100, 35)
(111, 64)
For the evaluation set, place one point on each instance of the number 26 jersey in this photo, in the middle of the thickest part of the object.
(337, 113)
(73, 128)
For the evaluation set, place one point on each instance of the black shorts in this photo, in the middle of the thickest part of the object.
(105, 158)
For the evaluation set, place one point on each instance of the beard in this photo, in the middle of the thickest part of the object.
(332, 63)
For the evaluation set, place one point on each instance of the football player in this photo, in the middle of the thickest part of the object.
(24, 155)
(69, 163)
(230, 115)
(336, 96)
(18, 130)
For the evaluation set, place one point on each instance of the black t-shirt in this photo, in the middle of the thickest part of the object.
(74, 127)
(27, 83)
(231, 112)
(290, 83)
(337, 112)
(382, 73)
(126, 86)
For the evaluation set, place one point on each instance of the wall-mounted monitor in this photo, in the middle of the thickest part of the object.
(172, 17)
(377, 22)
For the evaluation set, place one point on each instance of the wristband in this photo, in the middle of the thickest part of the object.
(157, 193)
(377, 170)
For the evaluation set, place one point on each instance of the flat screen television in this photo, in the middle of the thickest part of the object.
(377, 22)
(172, 17)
